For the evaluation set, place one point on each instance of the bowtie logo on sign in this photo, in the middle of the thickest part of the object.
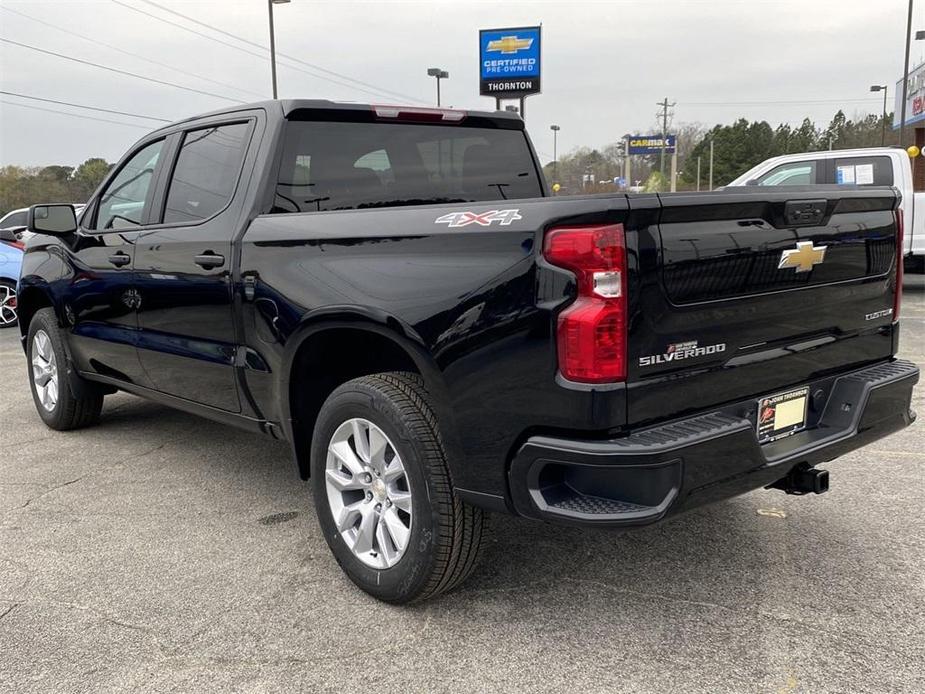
(483, 219)
(509, 44)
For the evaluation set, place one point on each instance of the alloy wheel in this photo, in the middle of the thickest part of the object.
(7, 305)
(368, 493)
(44, 370)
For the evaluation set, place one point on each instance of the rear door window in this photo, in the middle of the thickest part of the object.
(206, 172)
(864, 171)
(350, 165)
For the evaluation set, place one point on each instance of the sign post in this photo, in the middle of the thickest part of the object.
(509, 63)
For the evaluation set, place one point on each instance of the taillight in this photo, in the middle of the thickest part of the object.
(592, 331)
(898, 295)
(16, 244)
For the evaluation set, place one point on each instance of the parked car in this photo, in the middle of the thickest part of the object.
(11, 252)
(871, 166)
(15, 221)
(392, 291)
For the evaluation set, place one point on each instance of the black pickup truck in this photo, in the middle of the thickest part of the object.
(392, 291)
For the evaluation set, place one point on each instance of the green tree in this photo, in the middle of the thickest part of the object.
(88, 176)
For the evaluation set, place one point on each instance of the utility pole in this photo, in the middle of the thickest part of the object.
(711, 163)
(665, 106)
(555, 152)
(698, 174)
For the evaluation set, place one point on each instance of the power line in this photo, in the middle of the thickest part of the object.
(262, 56)
(118, 71)
(90, 108)
(96, 41)
(773, 102)
(75, 115)
(282, 55)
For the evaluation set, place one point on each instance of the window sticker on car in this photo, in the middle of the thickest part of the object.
(461, 219)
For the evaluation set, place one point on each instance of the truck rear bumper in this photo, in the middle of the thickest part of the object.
(663, 470)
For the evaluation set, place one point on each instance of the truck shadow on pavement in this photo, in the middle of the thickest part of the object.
(726, 556)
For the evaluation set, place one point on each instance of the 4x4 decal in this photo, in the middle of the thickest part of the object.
(461, 219)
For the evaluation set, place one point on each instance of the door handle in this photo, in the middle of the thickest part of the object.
(209, 260)
(119, 259)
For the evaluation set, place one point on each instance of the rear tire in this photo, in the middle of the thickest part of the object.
(57, 404)
(391, 413)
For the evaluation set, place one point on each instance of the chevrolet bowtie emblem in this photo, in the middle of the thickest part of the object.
(509, 44)
(803, 257)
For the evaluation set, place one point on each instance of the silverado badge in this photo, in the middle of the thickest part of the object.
(803, 257)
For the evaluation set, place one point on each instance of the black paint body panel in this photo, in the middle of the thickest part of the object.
(475, 308)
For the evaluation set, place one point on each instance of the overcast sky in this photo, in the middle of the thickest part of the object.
(605, 64)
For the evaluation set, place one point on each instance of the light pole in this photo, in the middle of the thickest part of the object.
(555, 152)
(902, 107)
(270, 4)
(881, 88)
(440, 75)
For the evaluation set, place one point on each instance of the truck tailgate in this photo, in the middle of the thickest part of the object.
(743, 295)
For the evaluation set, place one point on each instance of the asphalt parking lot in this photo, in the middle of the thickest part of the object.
(160, 552)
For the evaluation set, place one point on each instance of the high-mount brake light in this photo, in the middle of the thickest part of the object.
(419, 115)
(592, 331)
(898, 294)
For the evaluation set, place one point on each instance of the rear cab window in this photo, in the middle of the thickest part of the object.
(864, 171)
(348, 165)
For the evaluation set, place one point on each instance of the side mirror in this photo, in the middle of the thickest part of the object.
(55, 220)
(8, 235)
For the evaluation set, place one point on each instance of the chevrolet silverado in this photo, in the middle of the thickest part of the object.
(393, 292)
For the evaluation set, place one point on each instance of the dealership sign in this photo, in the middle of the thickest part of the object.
(651, 144)
(509, 62)
(915, 97)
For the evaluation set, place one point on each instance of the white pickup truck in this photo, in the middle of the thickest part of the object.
(877, 166)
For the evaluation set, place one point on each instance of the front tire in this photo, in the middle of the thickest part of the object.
(58, 406)
(383, 494)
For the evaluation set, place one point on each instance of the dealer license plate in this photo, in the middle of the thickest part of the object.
(782, 415)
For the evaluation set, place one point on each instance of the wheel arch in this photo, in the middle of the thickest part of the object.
(30, 299)
(332, 347)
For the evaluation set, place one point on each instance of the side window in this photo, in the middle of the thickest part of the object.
(206, 172)
(122, 204)
(864, 171)
(14, 219)
(797, 173)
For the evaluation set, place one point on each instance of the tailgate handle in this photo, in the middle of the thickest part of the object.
(804, 212)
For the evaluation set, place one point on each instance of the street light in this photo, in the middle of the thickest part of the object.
(881, 88)
(270, 4)
(555, 153)
(440, 75)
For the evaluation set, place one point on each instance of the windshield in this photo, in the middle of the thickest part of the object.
(343, 166)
